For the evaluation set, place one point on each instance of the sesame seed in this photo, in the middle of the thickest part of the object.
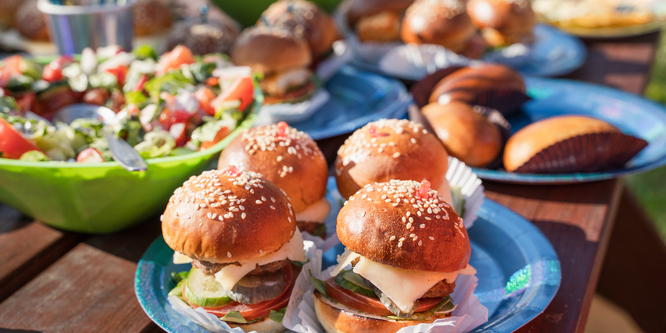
(409, 225)
(279, 158)
(229, 254)
(408, 213)
(213, 216)
(392, 238)
(396, 155)
(431, 238)
(363, 214)
(400, 244)
(422, 226)
(272, 199)
(243, 216)
(260, 251)
(272, 207)
(420, 242)
(263, 198)
(413, 140)
(411, 220)
(258, 202)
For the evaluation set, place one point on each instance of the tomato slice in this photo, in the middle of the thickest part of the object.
(90, 155)
(261, 309)
(180, 55)
(221, 134)
(120, 73)
(10, 66)
(12, 143)
(241, 89)
(53, 71)
(367, 304)
(141, 83)
(205, 96)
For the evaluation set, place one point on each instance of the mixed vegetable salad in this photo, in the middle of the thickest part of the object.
(167, 105)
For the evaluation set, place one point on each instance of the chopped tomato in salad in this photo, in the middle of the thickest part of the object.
(164, 105)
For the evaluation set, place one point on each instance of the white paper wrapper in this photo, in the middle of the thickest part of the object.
(342, 55)
(292, 112)
(461, 176)
(469, 313)
(416, 61)
(213, 324)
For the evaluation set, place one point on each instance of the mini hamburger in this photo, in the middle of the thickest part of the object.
(404, 249)
(305, 19)
(442, 22)
(391, 149)
(291, 160)
(282, 57)
(377, 20)
(503, 22)
(239, 232)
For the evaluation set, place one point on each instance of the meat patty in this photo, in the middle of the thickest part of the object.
(441, 289)
(210, 268)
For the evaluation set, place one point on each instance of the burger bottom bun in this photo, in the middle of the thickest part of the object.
(266, 325)
(335, 317)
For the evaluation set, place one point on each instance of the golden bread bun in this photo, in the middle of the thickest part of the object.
(306, 20)
(293, 162)
(503, 22)
(389, 149)
(381, 27)
(467, 83)
(441, 22)
(398, 223)
(364, 8)
(225, 217)
(467, 135)
(270, 49)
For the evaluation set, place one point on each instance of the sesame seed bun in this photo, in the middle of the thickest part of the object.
(503, 22)
(220, 217)
(335, 317)
(294, 163)
(305, 19)
(399, 150)
(441, 22)
(363, 8)
(270, 49)
(392, 224)
(151, 17)
(467, 135)
(467, 83)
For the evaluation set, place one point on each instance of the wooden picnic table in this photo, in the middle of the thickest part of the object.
(52, 280)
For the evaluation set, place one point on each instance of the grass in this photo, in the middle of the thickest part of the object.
(650, 187)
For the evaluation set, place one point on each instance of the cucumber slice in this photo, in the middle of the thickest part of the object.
(356, 279)
(344, 283)
(205, 291)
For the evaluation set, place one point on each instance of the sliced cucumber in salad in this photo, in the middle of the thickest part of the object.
(204, 290)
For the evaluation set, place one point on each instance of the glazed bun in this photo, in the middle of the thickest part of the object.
(466, 84)
(270, 49)
(401, 224)
(291, 160)
(227, 216)
(441, 22)
(466, 134)
(389, 149)
(335, 317)
(364, 8)
(305, 20)
(30, 22)
(569, 143)
(503, 22)
(215, 36)
(151, 17)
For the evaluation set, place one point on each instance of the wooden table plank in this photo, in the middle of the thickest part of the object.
(576, 219)
(87, 290)
(27, 248)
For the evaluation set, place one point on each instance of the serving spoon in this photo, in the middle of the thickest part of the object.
(121, 151)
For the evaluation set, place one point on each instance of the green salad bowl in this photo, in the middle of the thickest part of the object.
(103, 198)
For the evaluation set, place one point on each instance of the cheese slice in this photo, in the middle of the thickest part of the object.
(344, 260)
(317, 212)
(179, 258)
(229, 275)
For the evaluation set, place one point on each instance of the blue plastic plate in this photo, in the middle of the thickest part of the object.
(630, 113)
(554, 53)
(518, 271)
(357, 98)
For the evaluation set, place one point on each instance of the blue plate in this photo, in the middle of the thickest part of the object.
(553, 53)
(630, 113)
(357, 98)
(518, 271)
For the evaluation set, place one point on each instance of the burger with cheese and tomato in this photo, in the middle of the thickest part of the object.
(238, 230)
(282, 57)
(291, 160)
(404, 249)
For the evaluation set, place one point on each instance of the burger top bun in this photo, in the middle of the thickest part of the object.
(305, 20)
(215, 36)
(270, 49)
(441, 22)
(362, 8)
(389, 149)
(514, 19)
(227, 216)
(285, 156)
(542, 134)
(30, 22)
(466, 83)
(404, 224)
(466, 134)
